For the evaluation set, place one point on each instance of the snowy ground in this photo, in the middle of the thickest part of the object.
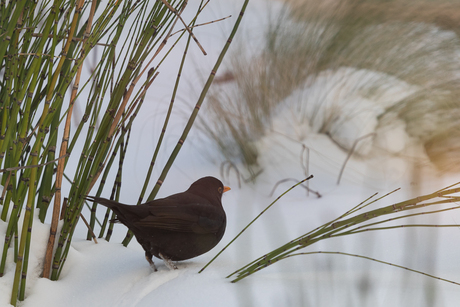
(108, 274)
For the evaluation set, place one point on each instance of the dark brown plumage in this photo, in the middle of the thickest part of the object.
(177, 227)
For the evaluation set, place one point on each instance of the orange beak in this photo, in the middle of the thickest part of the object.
(226, 189)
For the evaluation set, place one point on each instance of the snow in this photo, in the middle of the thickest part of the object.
(346, 103)
(108, 274)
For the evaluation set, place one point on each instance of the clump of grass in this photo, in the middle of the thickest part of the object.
(407, 43)
(41, 57)
(243, 108)
(356, 221)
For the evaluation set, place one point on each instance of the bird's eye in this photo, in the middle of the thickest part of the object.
(220, 190)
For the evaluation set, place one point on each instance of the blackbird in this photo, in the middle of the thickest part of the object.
(177, 227)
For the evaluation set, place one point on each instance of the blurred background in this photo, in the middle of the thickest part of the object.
(314, 82)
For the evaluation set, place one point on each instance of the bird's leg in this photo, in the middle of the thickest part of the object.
(149, 256)
(168, 262)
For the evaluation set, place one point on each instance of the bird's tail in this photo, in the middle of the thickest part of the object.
(103, 201)
(124, 212)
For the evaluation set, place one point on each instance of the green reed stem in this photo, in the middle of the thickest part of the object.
(197, 106)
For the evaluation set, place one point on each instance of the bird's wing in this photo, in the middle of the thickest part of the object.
(196, 218)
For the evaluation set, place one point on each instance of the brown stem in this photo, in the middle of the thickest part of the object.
(61, 164)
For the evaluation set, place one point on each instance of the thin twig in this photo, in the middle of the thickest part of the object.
(350, 153)
(305, 164)
(32, 166)
(226, 175)
(376, 260)
(293, 179)
(89, 228)
(178, 14)
(201, 24)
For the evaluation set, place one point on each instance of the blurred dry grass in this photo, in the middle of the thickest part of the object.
(414, 41)
(445, 14)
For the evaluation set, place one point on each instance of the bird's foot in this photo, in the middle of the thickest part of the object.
(152, 265)
(168, 262)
